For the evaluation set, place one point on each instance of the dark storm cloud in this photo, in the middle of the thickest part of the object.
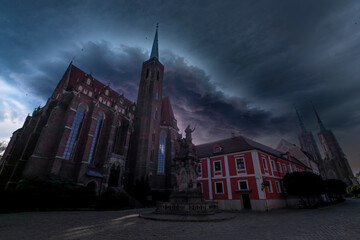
(232, 65)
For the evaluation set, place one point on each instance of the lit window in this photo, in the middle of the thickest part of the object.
(75, 132)
(240, 164)
(278, 188)
(219, 189)
(217, 166)
(161, 154)
(243, 185)
(264, 163)
(94, 143)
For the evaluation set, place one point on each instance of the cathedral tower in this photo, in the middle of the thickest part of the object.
(335, 163)
(148, 117)
(308, 144)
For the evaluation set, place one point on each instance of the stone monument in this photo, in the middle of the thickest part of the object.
(186, 197)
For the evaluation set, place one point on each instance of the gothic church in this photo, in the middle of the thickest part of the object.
(89, 133)
(334, 165)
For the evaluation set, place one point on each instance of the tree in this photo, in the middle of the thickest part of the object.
(335, 188)
(354, 190)
(304, 185)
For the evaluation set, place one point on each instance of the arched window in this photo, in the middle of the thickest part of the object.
(100, 118)
(75, 132)
(161, 154)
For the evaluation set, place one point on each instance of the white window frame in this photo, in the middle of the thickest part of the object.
(273, 166)
(242, 169)
(217, 171)
(270, 186)
(278, 186)
(264, 163)
(289, 168)
(285, 168)
(247, 184)
(279, 167)
(222, 186)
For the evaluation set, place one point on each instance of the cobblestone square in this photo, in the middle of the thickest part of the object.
(340, 221)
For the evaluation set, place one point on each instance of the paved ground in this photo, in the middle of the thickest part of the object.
(341, 221)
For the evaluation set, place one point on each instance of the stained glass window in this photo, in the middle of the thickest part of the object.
(94, 143)
(161, 154)
(75, 132)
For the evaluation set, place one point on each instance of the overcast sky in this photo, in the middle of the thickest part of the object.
(230, 66)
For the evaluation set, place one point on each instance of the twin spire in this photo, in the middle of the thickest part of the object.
(302, 125)
(155, 47)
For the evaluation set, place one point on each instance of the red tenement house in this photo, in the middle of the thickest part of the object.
(241, 173)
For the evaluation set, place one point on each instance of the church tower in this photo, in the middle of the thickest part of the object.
(148, 117)
(308, 144)
(336, 165)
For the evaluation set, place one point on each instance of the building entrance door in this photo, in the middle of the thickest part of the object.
(246, 201)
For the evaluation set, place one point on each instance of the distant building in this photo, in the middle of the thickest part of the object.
(334, 165)
(296, 152)
(240, 173)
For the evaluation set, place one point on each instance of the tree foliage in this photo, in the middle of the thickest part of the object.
(48, 193)
(335, 187)
(303, 183)
(354, 190)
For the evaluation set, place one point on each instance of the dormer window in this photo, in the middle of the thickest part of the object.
(217, 148)
(107, 92)
(88, 81)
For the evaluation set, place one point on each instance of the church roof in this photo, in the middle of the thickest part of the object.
(77, 75)
(167, 114)
(240, 144)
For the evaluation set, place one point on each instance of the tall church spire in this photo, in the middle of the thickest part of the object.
(320, 124)
(155, 48)
(301, 123)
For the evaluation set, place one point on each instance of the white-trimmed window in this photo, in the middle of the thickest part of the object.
(219, 187)
(273, 165)
(289, 168)
(199, 168)
(240, 164)
(279, 167)
(284, 166)
(264, 163)
(217, 166)
(243, 185)
(278, 188)
(270, 186)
